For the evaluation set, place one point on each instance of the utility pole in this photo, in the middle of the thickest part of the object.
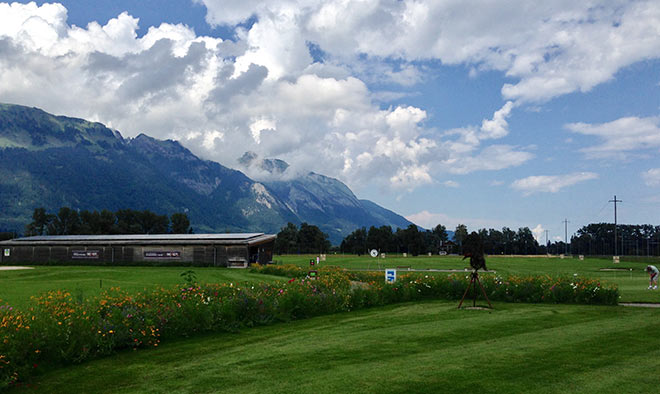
(566, 236)
(615, 238)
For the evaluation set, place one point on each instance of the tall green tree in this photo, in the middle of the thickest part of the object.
(412, 240)
(355, 242)
(40, 221)
(180, 223)
(66, 222)
(312, 239)
(380, 238)
(287, 240)
(460, 233)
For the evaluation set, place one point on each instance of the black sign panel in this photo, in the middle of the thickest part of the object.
(84, 254)
(162, 254)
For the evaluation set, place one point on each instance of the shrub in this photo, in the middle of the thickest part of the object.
(62, 329)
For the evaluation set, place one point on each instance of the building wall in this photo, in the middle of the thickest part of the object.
(208, 255)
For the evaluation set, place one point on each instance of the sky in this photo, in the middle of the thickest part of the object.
(477, 112)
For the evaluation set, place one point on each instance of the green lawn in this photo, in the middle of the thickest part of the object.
(16, 287)
(632, 284)
(412, 348)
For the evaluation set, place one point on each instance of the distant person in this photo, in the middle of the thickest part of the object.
(653, 276)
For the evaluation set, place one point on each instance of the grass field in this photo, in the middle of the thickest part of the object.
(16, 287)
(631, 279)
(423, 347)
(412, 348)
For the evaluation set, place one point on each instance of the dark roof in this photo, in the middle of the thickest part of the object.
(142, 239)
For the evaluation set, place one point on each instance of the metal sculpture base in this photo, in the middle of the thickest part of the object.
(474, 279)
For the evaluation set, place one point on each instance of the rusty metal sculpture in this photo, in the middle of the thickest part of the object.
(473, 248)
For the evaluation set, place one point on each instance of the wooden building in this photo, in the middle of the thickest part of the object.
(221, 250)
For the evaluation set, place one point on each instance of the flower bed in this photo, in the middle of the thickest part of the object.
(62, 329)
(413, 286)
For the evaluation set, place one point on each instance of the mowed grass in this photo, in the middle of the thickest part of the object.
(414, 348)
(630, 277)
(17, 287)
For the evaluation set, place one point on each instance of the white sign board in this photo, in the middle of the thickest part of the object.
(7, 252)
(616, 259)
(581, 257)
(390, 275)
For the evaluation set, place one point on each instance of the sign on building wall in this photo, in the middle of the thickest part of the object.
(84, 254)
(162, 254)
(7, 252)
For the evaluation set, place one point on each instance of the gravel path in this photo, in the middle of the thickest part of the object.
(640, 304)
(11, 268)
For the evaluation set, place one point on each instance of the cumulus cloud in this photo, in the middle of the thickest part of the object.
(265, 92)
(652, 177)
(538, 232)
(429, 220)
(620, 137)
(497, 127)
(550, 183)
(220, 98)
(550, 48)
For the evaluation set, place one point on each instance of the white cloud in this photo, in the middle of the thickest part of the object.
(652, 177)
(550, 183)
(491, 158)
(429, 220)
(550, 48)
(264, 93)
(621, 136)
(539, 233)
(451, 183)
(498, 126)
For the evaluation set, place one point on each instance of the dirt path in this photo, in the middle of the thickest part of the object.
(11, 268)
(641, 304)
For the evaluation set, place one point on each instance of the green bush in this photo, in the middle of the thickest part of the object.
(61, 329)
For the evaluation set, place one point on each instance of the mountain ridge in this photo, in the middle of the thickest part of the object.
(52, 161)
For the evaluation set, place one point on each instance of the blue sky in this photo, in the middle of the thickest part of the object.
(517, 114)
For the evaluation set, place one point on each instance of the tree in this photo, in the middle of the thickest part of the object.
(40, 221)
(312, 239)
(287, 240)
(355, 242)
(380, 238)
(152, 223)
(441, 232)
(460, 234)
(66, 222)
(525, 243)
(412, 240)
(180, 223)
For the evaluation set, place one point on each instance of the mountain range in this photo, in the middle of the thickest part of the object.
(54, 161)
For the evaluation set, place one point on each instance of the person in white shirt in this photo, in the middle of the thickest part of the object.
(653, 276)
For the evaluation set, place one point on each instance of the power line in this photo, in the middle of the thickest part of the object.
(615, 237)
(565, 235)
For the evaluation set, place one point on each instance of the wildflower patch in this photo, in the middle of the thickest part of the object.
(60, 328)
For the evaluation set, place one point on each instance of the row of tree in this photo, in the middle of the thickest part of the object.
(599, 239)
(592, 239)
(68, 221)
(307, 239)
(413, 241)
